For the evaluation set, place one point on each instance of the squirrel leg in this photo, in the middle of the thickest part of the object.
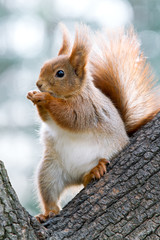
(50, 186)
(43, 113)
(96, 172)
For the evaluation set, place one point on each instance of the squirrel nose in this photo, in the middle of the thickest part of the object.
(39, 84)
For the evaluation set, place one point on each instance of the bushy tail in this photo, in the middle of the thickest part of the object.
(120, 70)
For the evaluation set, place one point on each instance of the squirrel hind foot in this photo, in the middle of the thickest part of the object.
(41, 218)
(96, 172)
(44, 217)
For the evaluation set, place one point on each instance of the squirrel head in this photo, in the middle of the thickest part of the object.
(65, 75)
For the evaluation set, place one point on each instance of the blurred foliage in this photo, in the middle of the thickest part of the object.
(29, 36)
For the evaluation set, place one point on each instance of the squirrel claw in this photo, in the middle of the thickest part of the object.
(44, 217)
(96, 172)
(41, 218)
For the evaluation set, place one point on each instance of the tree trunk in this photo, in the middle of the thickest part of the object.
(124, 204)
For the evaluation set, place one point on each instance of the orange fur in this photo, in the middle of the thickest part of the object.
(122, 74)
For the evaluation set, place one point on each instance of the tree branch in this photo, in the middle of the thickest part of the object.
(124, 204)
(15, 221)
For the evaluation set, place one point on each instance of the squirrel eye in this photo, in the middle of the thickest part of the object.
(60, 74)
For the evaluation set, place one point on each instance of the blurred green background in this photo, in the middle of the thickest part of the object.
(29, 36)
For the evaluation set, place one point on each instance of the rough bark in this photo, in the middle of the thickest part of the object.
(15, 221)
(124, 204)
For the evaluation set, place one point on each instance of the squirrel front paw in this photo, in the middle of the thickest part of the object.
(39, 98)
(96, 172)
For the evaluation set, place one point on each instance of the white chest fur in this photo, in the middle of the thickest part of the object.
(79, 152)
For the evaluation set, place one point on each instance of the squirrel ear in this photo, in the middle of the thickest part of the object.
(80, 50)
(65, 49)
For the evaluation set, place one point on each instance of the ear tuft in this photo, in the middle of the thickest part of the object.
(80, 50)
(65, 49)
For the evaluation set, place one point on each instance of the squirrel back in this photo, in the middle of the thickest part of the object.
(121, 72)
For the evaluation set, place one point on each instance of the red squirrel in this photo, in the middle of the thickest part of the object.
(89, 102)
